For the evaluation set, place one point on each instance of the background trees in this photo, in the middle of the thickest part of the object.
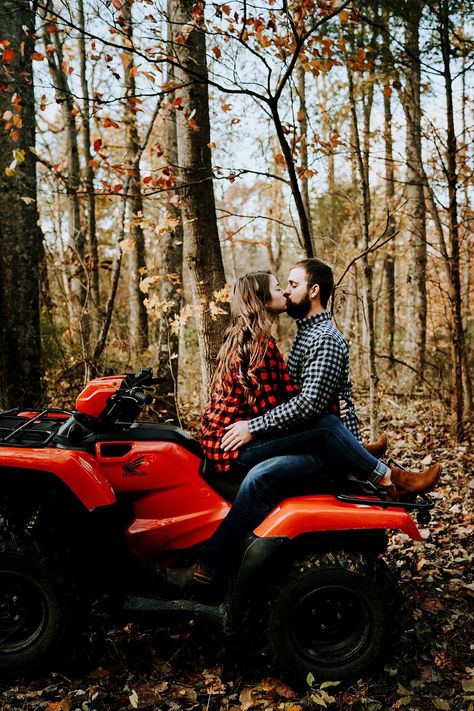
(249, 136)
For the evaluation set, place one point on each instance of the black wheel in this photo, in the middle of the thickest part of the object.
(334, 616)
(33, 609)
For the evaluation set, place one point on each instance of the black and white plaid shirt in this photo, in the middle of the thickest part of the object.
(319, 364)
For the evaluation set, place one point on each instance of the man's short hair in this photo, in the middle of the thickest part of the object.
(318, 272)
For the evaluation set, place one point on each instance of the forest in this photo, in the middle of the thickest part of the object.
(153, 151)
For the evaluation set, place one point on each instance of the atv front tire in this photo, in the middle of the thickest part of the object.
(334, 616)
(33, 609)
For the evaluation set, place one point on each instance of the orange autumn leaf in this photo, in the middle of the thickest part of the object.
(387, 90)
(93, 163)
(280, 159)
(5, 43)
(108, 123)
(37, 56)
(217, 52)
(193, 124)
(8, 55)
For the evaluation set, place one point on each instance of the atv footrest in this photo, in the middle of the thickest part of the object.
(150, 603)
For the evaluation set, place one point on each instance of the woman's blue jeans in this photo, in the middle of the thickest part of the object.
(324, 436)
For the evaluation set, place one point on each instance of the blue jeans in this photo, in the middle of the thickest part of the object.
(265, 485)
(324, 436)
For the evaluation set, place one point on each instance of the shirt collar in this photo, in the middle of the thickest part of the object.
(312, 321)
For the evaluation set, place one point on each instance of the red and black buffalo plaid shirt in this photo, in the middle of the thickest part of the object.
(274, 387)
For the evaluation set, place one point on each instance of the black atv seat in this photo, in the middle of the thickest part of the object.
(225, 483)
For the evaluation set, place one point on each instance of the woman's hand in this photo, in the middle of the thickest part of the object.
(343, 408)
(236, 436)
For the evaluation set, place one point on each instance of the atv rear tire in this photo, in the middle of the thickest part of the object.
(333, 616)
(33, 605)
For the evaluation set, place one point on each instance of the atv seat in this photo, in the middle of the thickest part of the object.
(225, 483)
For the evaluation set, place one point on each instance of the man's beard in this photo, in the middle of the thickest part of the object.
(298, 310)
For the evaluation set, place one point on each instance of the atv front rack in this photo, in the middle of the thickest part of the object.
(30, 428)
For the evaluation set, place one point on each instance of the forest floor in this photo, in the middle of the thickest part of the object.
(192, 666)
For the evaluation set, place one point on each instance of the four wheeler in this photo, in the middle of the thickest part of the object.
(92, 500)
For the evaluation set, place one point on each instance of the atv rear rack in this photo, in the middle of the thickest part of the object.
(20, 427)
(421, 503)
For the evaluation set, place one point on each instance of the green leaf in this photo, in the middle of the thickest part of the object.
(440, 704)
(401, 691)
(310, 679)
(468, 684)
(325, 684)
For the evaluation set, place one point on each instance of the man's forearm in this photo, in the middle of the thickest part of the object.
(287, 415)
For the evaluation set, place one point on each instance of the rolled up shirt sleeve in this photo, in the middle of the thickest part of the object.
(320, 376)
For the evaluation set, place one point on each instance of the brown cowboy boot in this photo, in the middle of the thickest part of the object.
(377, 449)
(407, 482)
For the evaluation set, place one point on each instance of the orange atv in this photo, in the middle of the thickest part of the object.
(92, 500)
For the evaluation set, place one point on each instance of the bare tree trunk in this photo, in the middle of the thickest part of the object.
(303, 121)
(469, 243)
(388, 333)
(93, 261)
(202, 253)
(138, 317)
(368, 288)
(172, 276)
(458, 345)
(79, 278)
(20, 236)
(415, 207)
(327, 119)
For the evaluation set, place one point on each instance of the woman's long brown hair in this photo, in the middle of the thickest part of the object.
(246, 339)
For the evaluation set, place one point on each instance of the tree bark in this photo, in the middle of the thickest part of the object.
(20, 236)
(202, 252)
(138, 317)
(458, 345)
(172, 275)
(93, 256)
(368, 285)
(415, 206)
(303, 121)
(80, 286)
(388, 333)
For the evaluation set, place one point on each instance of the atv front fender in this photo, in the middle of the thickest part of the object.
(309, 514)
(77, 470)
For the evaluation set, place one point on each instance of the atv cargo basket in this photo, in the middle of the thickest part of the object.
(30, 428)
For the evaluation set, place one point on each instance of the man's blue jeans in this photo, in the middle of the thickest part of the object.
(263, 488)
(324, 436)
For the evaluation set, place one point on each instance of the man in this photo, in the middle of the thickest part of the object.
(281, 446)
